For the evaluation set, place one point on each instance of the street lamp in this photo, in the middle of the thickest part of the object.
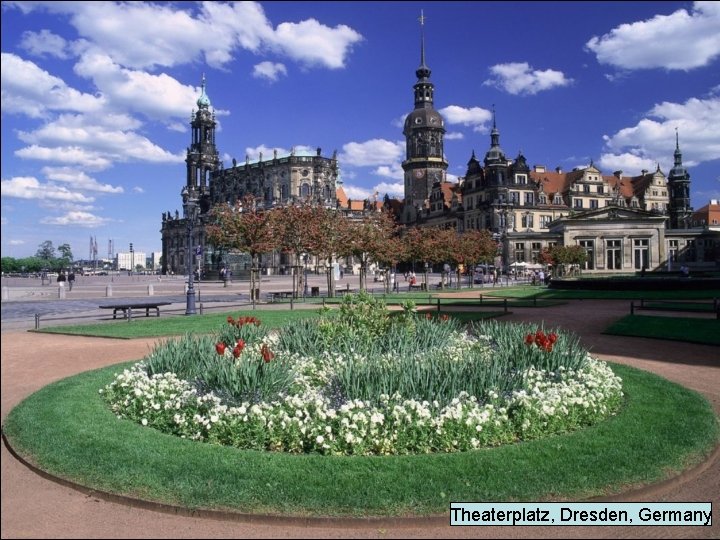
(191, 214)
(305, 287)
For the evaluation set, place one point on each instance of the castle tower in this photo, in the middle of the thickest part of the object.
(202, 155)
(424, 131)
(679, 187)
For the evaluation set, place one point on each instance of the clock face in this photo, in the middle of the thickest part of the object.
(419, 173)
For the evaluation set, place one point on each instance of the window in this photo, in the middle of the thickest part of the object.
(601, 189)
(672, 250)
(654, 193)
(535, 251)
(519, 251)
(613, 254)
(521, 179)
(529, 198)
(542, 199)
(589, 247)
(527, 221)
(641, 253)
(514, 197)
(593, 203)
(545, 221)
(578, 203)
(304, 190)
(586, 188)
(557, 199)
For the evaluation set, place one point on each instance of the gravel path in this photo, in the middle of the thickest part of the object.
(35, 507)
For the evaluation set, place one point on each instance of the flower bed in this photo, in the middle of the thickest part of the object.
(363, 383)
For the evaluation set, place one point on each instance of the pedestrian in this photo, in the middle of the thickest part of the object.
(71, 279)
(61, 277)
(541, 278)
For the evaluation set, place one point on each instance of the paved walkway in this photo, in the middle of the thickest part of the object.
(33, 507)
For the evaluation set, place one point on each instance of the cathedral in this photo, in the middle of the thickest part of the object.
(624, 223)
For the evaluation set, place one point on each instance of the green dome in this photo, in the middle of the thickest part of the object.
(203, 101)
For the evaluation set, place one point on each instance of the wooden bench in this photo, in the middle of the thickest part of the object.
(416, 287)
(127, 308)
(274, 296)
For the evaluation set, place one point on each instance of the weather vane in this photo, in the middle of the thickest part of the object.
(422, 18)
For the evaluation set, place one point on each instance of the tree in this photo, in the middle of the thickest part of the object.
(66, 256)
(46, 251)
(425, 246)
(244, 228)
(473, 247)
(291, 225)
(365, 240)
(562, 255)
(327, 234)
(391, 252)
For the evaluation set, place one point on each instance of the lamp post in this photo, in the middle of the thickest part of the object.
(305, 285)
(191, 210)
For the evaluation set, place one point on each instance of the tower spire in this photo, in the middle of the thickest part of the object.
(423, 72)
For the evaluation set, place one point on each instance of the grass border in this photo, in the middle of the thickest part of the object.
(66, 426)
(682, 329)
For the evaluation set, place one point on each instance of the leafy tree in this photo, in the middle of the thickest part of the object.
(244, 228)
(562, 255)
(425, 246)
(291, 226)
(46, 251)
(366, 239)
(327, 235)
(390, 253)
(473, 247)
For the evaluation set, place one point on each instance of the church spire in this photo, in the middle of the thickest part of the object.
(423, 72)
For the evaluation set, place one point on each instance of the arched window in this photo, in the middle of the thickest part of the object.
(304, 190)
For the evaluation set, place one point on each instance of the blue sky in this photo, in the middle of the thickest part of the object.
(97, 97)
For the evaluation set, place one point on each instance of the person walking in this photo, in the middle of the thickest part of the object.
(71, 279)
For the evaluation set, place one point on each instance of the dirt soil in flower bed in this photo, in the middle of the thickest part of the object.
(36, 507)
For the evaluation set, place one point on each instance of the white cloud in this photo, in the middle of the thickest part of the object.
(393, 171)
(78, 179)
(683, 40)
(399, 122)
(518, 78)
(76, 218)
(92, 136)
(30, 90)
(312, 43)
(138, 189)
(356, 193)
(269, 70)
(17, 242)
(70, 154)
(454, 135)
(44, 43)
(396, 189)
(476, 117)
(630, 164)
(155, 96)
(372, 152)
(652, 139)
(179, 34)
(28, 187)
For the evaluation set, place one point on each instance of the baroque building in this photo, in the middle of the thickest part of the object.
(297, 177)
(625, 223)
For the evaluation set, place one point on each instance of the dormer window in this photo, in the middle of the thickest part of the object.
(521, 179)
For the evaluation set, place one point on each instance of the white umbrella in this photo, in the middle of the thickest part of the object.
(522, 263)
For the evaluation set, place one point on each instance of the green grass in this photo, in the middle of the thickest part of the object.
(173, 326)
(66, 430)
(704, 307)
(559, 294)
(689, 329)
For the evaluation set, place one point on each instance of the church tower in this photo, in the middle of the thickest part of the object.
(202, 155)
(424, 131)
(679, 187)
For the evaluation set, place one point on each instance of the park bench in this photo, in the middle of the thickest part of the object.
(128, 307)
(274, 296)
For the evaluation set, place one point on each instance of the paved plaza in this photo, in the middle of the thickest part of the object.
(36, 507)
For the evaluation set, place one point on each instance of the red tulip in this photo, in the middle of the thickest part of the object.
(220, 348)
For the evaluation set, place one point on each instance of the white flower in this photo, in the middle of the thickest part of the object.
(320, 439)
(144, 422)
